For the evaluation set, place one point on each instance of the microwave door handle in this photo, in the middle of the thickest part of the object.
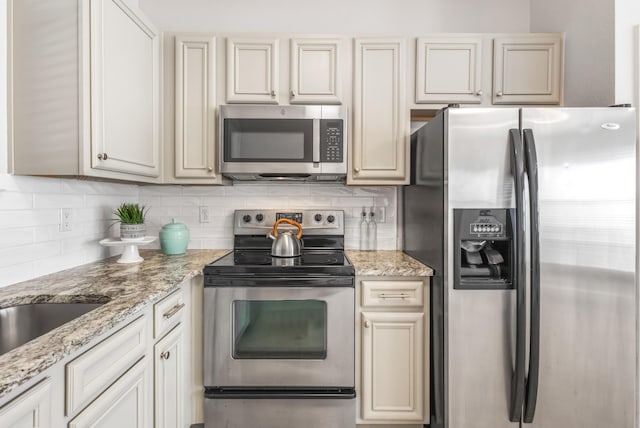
(316, 140)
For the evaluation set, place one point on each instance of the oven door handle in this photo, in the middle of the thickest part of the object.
(253, 281)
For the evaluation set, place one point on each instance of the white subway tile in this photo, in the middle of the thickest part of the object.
(15, 201)
(16, 273)
(30, 252)
(44, 200)
(16, 237)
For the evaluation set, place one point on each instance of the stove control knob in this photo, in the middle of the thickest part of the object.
(331, 219)
(318, 217)
(246, 218)
(259, 217)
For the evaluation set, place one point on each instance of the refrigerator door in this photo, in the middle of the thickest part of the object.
(587, 199)
(480, 324)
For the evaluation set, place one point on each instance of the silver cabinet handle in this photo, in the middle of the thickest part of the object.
(499, 94)
(102, 156)
(171, 312)
(479, 93)
(367, 324)
(165, 355)
(393, 295)
(273, 93)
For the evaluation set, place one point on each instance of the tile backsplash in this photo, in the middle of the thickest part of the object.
(31, 243)
(183, 203)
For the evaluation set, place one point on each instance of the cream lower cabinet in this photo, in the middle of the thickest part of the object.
(125, 404)
(172, 368)
(169, 378)
(379, 151)
(31, 409)
(393, 352)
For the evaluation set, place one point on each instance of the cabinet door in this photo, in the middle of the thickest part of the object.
(125, 70)
(125, 404)
(528, 69)
(195, 106)
(252, 71)
(392, 366)
(380, 149)
(31, 409)
(170, 378)
(315, 71)
(449, 70)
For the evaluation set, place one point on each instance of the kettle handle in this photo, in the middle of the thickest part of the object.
(286, 220)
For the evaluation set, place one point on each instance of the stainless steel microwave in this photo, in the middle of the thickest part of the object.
(305, 143)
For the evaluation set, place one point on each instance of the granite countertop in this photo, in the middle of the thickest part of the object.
(386, 263)
(125, 290)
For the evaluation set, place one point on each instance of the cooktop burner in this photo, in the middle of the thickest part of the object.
(251, 262)
(322, 245)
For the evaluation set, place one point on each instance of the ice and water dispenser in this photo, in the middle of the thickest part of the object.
(484, 249)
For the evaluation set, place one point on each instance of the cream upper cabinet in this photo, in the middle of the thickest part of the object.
(252, 70)
(31, 409)
(392, 331)
(379, 151)
(85, 102)
(125, 97)
(193, 156)
(316, 71)
(449, 70)
(528, 69)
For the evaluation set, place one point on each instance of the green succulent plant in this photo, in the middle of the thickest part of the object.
(130, 213)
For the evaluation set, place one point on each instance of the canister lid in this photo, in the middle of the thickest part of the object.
(174, 226)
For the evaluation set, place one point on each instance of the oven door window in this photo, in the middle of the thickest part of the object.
(268, 140)
(279, 329)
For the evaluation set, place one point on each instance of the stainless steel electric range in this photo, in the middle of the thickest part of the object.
(279, 331)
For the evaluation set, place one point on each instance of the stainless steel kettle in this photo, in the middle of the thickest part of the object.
(286, 244)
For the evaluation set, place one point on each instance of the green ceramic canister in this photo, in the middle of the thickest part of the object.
(174, 238)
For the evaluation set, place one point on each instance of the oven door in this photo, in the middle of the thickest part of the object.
(272, 333)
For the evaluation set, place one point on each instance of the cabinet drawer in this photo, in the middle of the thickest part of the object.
(168, 313)
(92, 372)
(392, 293)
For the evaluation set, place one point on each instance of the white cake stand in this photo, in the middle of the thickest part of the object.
(130, 252)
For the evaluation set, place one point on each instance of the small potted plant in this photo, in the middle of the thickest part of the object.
(131, 219)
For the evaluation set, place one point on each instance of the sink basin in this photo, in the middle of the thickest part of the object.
(22, 323)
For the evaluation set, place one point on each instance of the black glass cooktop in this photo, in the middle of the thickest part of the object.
(260, 262)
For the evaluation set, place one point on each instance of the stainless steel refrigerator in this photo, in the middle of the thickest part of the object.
(528, 217)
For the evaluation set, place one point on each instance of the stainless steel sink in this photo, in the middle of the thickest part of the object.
(22, 323)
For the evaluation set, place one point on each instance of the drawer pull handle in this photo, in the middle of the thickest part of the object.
(367, 324)
(171, 312)
(165, 355)
(394, 296)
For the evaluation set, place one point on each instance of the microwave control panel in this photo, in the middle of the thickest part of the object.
(331, 141)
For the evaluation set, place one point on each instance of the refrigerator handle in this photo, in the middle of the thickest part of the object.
(534, 341)
(518, 381)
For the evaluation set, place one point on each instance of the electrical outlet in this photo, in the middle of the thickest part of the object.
(65, 220)
(204, 214)
(379, 214)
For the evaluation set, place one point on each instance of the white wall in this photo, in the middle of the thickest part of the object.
(589, 54)
(401, 17)
(627, 13)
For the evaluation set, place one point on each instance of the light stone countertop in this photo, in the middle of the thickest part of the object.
(386, 263)
(127, 289)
